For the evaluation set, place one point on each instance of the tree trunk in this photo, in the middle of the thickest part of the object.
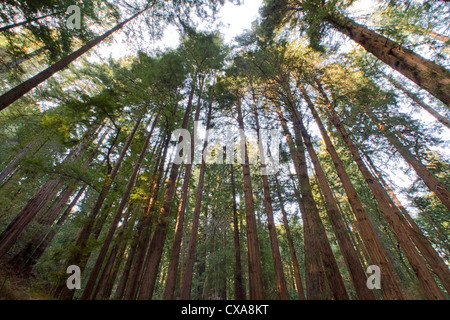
(80, 256)
(157, 244)
(175, 256)
(436, 186)
(357, 273)
(427, 283)
(277, 264)
(186, 281)
(143, 233)
(254, 255)
(22, 23)
(43, 245)
(239, 292)
(40, 199)
(290, 240)
(89, 287)
(13, 163)
(428, 75)
(373, 244)
(414, 97)
(20, 90)
(436, 263)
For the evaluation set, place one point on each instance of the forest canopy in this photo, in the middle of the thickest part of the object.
(307, 159)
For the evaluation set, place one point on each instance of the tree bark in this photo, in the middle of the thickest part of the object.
(278, 265)
(239, 291)
(290, 240)
(159, 236)
(89, 287)
(436, 186)
(428, 75)
(20, 90)
(357, 273)
(13, 163)
(316, 281)
(92, 226)
(436, 263)
(186, 281)
(372, 242)
(426, 281)
(254, 255)
(175, 256)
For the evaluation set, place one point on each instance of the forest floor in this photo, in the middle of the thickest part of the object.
(13, 287)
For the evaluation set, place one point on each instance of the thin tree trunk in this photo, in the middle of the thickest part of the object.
(143, 233)
(372, 242)
(157, 244)
(436, 186)
(39, 200)
(20, 90)
(89, 287)
(414, 97)
(39, 251)
(290, 240)
(22, 23)
(239, 292)
(186, 281)
(428, 75)
(175, 256)
(436, 263)
(80, 256)
(278, 265)
(13, 163)
(427, 283)
(254, 256)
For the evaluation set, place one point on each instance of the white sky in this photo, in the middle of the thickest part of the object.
(234, 20)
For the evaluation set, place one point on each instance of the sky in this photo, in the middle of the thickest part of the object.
(234, 20)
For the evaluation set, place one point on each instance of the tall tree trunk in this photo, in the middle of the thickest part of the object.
(321, 266)
(143, 233)
(436, 263)
(159, 236)
(290, 240)
(22, 23)
(357, 273)
(254, 255)
(176, 246)
(426, 281)
(436, 186)
(109, 272)
(239, 292)
(372, 242)
(80, 256)
(20, 90)
(186, 281)
(414, 97)
(13, 163)
(278, 265)
(428, 75)
(315, 279)
(89, 287)
(40, 199)
(43, 245)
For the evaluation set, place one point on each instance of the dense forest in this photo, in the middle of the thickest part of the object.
(306, 159)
